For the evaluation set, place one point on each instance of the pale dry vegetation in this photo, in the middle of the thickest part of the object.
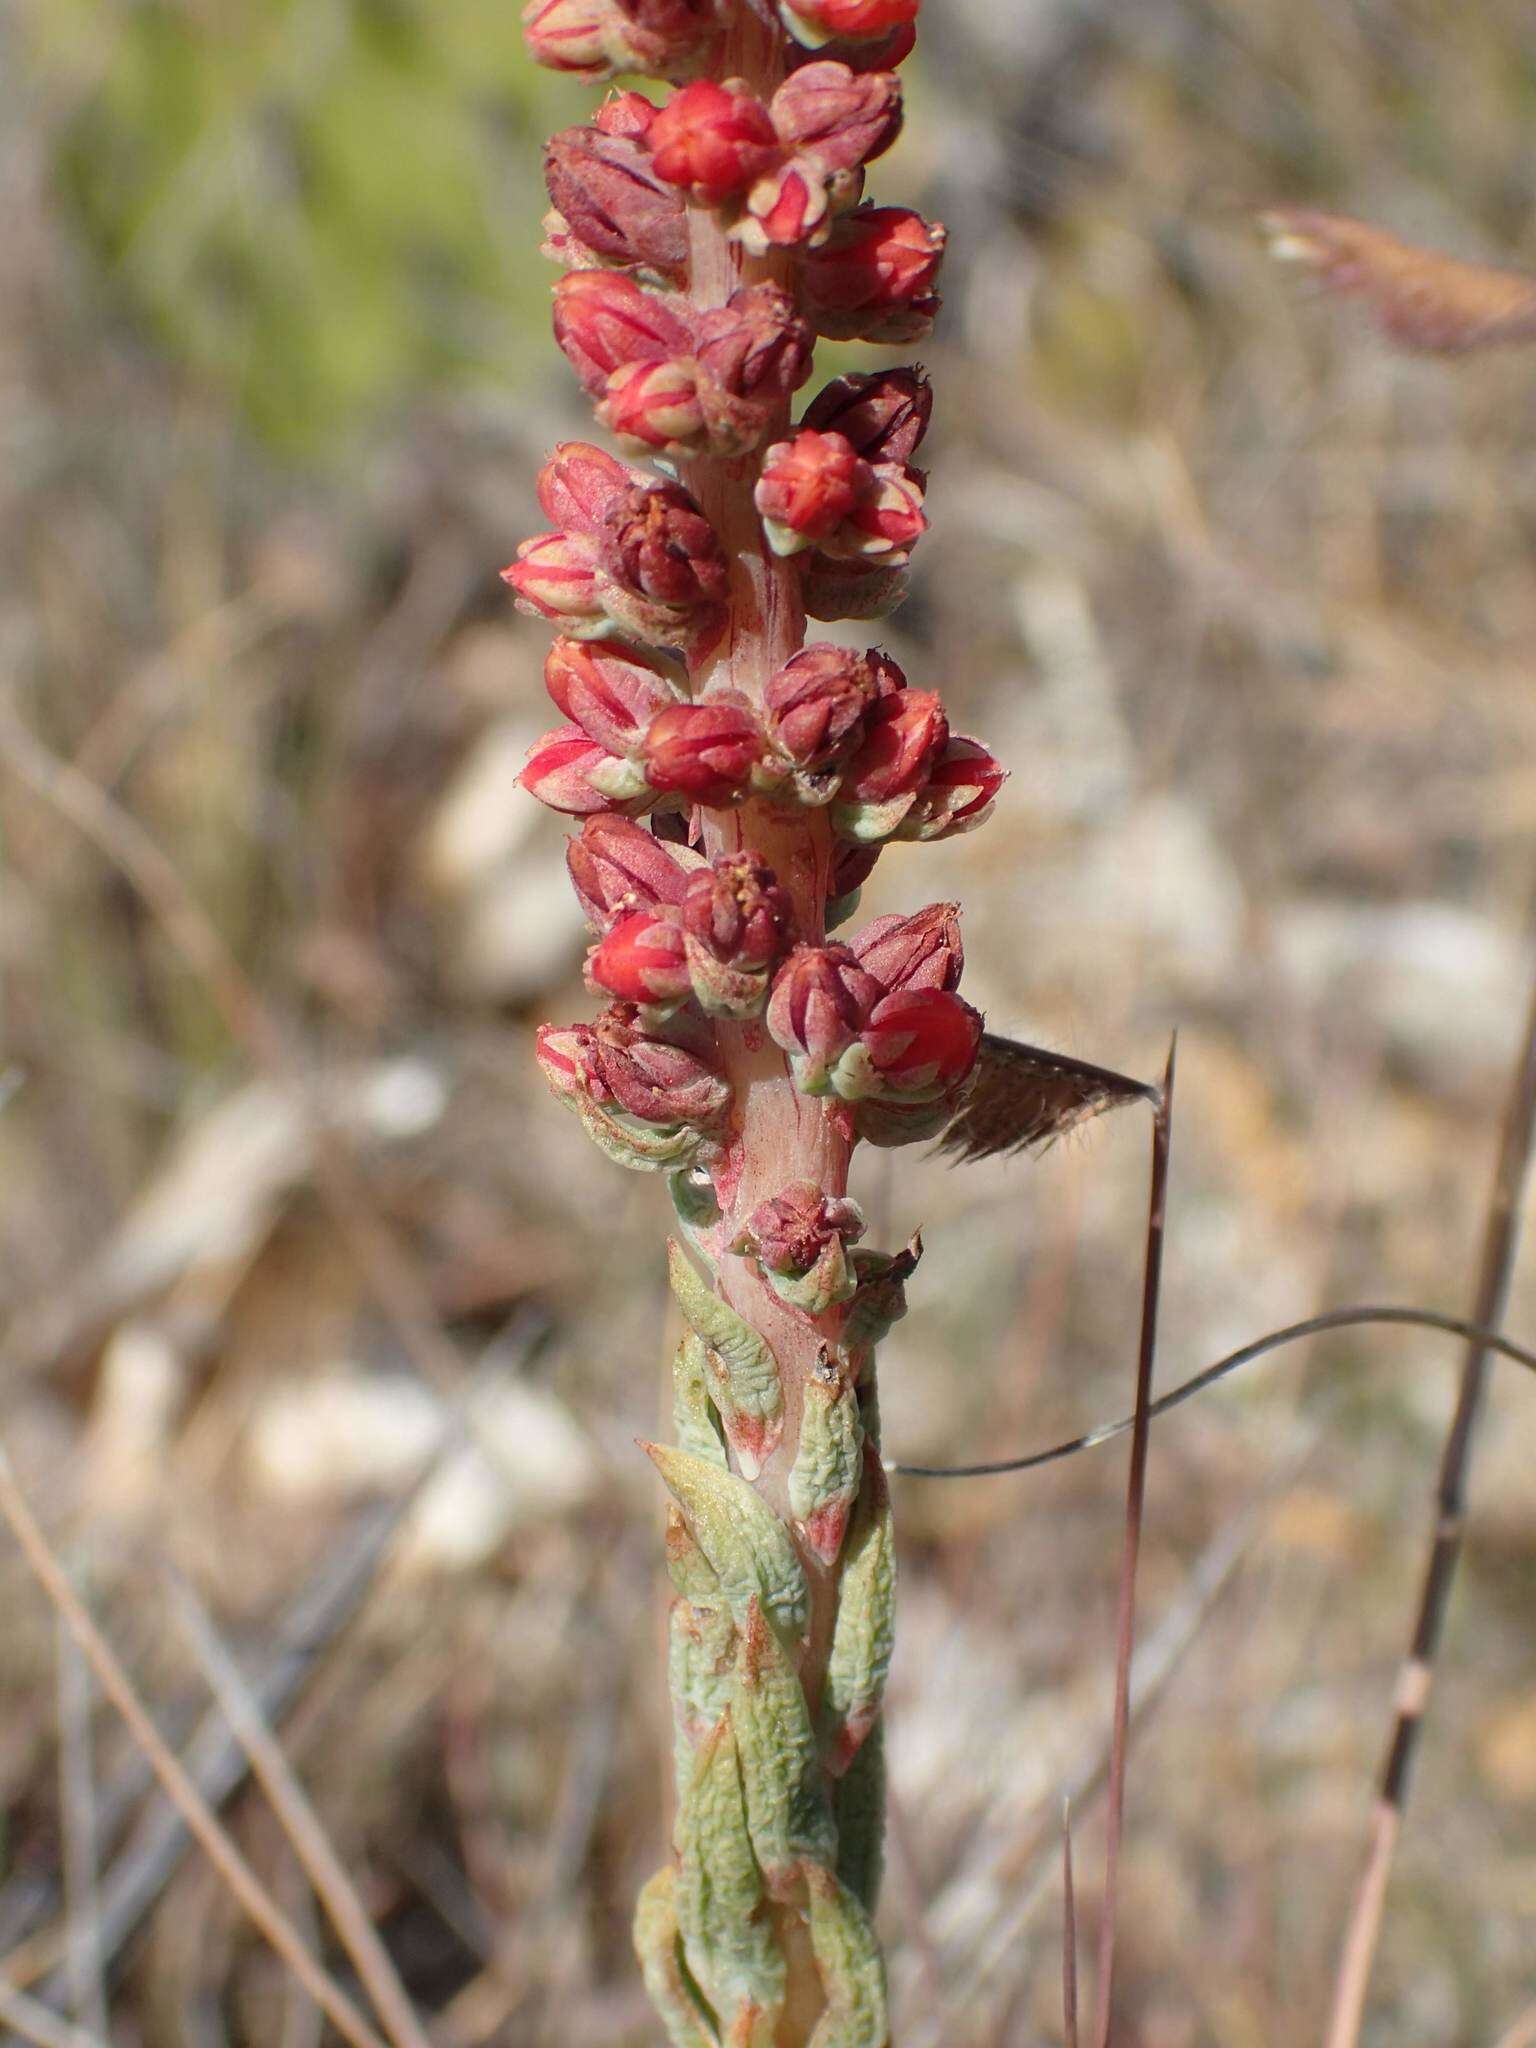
(1247, 603)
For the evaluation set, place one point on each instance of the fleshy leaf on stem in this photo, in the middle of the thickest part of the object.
(852, 1973)
(728, 1942)
(693, 1412)
(787, 1811)
(858, 1808)
(864, 1632)
(824, 1480)
(745, 1543)
(659, 1948)
(743, 1373)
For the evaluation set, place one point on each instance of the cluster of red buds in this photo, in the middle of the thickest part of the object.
(833, 728)
(735, 787)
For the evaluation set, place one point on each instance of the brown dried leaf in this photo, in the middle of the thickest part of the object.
(1418, 297)
(1023, 1098)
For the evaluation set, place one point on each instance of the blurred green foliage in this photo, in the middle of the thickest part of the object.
(318, 206)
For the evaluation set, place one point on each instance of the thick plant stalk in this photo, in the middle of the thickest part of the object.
(745, 1054)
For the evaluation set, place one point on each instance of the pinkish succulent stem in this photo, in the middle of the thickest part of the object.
(744, 1052)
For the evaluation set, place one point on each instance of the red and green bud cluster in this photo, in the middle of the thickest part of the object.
(635, 579)
(800, 1238)
(878, 1023)
(834, 727)
(707, 239)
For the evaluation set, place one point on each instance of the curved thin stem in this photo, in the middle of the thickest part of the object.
(1312, 1326)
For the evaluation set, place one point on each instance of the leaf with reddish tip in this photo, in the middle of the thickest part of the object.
(787, 1814)
(659, 1948)
(864, 1631)
(743, 1373)
(701, 1659)
(848, 1960)
(728, 1942)
(747, 1545)
(824, 1481)
(1023, 1098)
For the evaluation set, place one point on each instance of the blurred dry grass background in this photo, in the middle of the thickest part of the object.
(1248, 605)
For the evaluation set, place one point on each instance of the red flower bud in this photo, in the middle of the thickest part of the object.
(603, 320)
(714, 140)
(815, 491)
(831, 113)
(642, 960)
(880, 53)
(593, 38)
(569, 35)
(609, 198)
(903, 737)
(807, 488)
(661, 1079)
(572, 773)
(888, 520)
(735, 910)
(625, 113)
(736, 921)
(800, 1239)
(555, 577)
(789, 208)
(612, 692)
(884, 414)
(792, 1230)
(751, 353)
(921, 1043)
(617, 866)
(658, 544)
(814, 707)
(579, 483)
(656, 405)
(822, 998)
(704, 751)
(959, 792)
(873, 281)
(814, 22)
(923, 951)
(667, 38)
(563, 1054)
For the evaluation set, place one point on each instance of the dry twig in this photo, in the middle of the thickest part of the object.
(1501, 1241)
(300, 1823)
(1135, 1503)
(200, 1818)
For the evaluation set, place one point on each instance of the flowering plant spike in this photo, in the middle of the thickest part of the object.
(734, 786)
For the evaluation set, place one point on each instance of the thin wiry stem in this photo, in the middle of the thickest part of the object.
(1135, 1507)
(80, 1833)
(1501, 1242)
(1260, 1347)
(1068, 1932)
